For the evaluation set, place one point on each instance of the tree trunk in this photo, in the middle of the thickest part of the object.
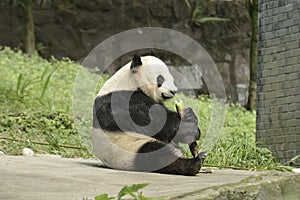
(253, 11)
(29, 40)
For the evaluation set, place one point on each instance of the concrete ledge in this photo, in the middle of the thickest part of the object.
(268, 185)
(52, 177)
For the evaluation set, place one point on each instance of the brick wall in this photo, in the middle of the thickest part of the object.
(278, 71)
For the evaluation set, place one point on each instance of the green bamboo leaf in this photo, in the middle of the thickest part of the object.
(129, 190)
(103, 197)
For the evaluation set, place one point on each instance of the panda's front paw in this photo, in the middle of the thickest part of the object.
(188, 115)
(187, 133)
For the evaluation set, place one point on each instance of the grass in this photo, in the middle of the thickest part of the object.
(43, 132)
(36, 107)
(29, 83)
(36, 104)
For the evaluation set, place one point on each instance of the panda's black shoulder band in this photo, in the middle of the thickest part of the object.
(136, 61)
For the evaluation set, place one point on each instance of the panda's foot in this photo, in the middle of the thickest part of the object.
(202, 157)
(198, 163)
(184, 166)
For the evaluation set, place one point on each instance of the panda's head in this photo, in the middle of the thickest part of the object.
(153, 77)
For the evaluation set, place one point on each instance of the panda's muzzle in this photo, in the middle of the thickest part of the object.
(169, 95)
(166, 97)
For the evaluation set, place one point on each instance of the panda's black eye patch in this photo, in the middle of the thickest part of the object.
(160, 80)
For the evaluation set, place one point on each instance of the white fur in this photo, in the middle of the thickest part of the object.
(118, 149)
(144, 78)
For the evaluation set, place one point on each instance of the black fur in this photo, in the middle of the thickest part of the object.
(160, 80)
(135, 62)
(185, 166)
(139, 105)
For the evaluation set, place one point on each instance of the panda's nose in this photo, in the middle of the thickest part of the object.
(173, 92)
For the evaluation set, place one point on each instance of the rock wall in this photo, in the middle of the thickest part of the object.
(72, 28)
(278, 87)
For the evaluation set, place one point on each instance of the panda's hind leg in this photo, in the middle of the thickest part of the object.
(185, 166)
(165, 158)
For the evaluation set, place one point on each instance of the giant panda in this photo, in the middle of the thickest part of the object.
(133, 130)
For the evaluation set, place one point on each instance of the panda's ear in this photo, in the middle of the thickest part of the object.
(135, 62)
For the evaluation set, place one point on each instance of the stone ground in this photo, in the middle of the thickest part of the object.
(51, 177)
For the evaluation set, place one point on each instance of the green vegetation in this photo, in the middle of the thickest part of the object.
(43, 132)
(30, 82)
(36, 105)
(199, 14)
(132, 191)
(36, 112)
